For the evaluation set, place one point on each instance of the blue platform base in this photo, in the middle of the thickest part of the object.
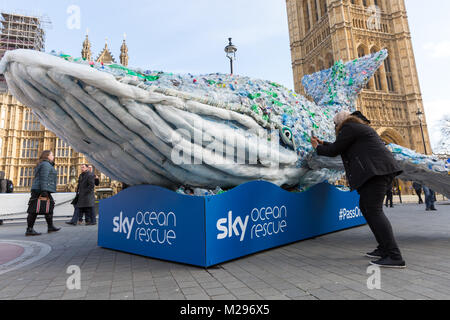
(205, 231)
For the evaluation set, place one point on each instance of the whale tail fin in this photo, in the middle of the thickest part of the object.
(340, 85)
(427, 170)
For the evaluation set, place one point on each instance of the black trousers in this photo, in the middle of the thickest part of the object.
(389, 198)
(31, 219)
(371, 204)
(419, 194)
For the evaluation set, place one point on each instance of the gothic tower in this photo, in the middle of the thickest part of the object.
(86, 52)
(124, 53)
(325, 31)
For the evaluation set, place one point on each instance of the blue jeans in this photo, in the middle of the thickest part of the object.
(89, 214)
(78, 216)
(429, 197)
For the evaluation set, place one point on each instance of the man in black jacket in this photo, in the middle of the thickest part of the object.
(370, 168)
(86, 195)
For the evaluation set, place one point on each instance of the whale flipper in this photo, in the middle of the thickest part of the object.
(340, 85)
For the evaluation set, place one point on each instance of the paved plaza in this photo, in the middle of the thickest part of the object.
(328, 267)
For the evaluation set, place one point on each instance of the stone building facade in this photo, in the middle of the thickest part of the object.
(325, 31)
(23, 138)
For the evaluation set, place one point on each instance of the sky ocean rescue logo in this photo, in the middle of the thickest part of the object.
(151, 227)
(263, 222)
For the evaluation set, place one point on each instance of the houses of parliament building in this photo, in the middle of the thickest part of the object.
(22, 137)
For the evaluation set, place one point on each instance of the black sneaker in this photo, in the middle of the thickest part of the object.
(32, 233)
(53, 229)
(388, 262)
(374, 254)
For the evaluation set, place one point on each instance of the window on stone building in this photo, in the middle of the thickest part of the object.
(361, 53)
(63, 172)
(324, 6)
(390, 81)
(2, 118)
(377, 76)
(31, 122)
(30, 148)
(63, 150)
(377, 3)
(330, 60)
(306, 16)
(316, 10)
(26, 177)
(1, 146)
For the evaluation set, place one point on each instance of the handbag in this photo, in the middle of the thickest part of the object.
(40, 206)
(75, 200)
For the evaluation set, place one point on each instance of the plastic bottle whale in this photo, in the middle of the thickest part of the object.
(144, 127)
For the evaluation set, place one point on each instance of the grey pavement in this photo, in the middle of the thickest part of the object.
(325, 268)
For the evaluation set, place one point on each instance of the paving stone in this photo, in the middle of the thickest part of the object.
(328, 267)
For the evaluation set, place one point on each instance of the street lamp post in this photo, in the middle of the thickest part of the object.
(420, 116)
(231, 49)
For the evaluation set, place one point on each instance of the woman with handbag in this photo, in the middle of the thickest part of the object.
(41, 201)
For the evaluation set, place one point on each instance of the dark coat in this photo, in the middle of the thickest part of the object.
(363, 153)
(85, 190)
(45, 177)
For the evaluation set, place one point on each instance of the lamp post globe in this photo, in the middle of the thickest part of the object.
(230, 50)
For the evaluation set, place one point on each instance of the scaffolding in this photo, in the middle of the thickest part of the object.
(19, 31)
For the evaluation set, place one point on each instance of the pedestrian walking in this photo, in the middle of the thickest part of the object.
(6, 185)
(2, 182)
(41, 200)
(430, 199)
(86, 195)
(389, 196)
(418, 189)
(398, 188)
(370, 168)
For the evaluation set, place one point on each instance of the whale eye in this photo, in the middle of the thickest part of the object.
(287, 136)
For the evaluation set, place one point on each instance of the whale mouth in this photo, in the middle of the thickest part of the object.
(141, 135)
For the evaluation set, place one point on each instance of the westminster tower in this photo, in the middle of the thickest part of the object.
(325, 31)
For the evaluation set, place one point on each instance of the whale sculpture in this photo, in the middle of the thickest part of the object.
(216, 130)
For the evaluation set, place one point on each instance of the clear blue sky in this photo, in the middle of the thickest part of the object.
(190, 35)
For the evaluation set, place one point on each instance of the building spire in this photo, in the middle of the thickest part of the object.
(124, 51)
(86, 52)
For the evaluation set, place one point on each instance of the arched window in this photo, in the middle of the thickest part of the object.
(330, 60)
(2, 118)
(323, 4)
(316, 10)
(306, 15)
(361, 51)
(377, 76)
(389, 79)
(321, 65)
